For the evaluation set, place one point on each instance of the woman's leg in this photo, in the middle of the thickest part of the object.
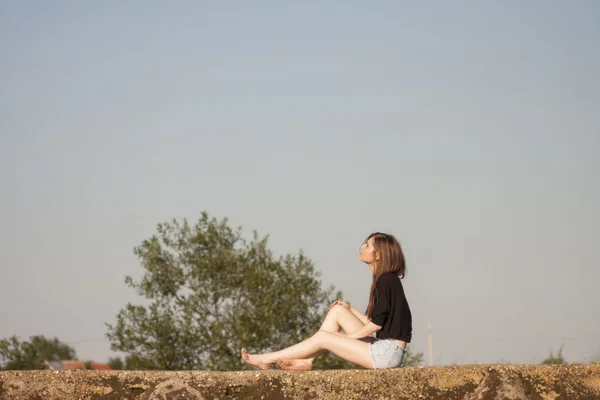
(338, 317)
(353, 350)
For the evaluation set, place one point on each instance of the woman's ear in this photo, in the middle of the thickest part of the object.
(376, 256)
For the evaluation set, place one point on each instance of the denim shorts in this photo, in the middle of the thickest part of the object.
(386, 354)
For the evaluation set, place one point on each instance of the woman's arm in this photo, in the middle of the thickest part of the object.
(363, 318)
(365, 331)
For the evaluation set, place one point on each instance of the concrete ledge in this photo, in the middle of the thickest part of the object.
(538, 382)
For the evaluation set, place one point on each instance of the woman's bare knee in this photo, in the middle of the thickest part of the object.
(340, 309)
(346, 319)
(336, 309)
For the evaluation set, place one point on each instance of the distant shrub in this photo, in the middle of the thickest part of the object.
(559, 359)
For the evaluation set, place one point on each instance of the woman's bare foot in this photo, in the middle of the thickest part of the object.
(255, 360)
(295, 365)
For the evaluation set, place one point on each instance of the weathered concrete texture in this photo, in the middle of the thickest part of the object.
(474, 382)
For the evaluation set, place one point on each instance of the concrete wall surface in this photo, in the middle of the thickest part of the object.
(536, 382)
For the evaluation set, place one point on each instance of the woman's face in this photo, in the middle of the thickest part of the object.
(367, 252)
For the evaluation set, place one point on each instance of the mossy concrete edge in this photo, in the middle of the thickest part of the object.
(480, 382)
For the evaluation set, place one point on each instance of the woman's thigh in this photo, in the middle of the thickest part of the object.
(354, 350)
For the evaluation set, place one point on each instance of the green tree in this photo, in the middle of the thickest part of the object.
(210, 292)
(116, 363)
(16, 354)
(412, 359)
(131, 362)
(555, 360)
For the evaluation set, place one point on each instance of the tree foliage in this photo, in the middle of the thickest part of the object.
(116, 363)
(17, 354)
(555, 360)
(211, 292)
(412, 359)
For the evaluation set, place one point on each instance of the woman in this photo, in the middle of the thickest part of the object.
(388, 315)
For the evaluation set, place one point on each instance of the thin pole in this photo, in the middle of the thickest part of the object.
(430, 335)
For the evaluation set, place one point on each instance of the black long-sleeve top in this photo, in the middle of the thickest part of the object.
(391, 310)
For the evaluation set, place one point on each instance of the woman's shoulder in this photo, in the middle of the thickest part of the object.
(389, 282)
(388, 277)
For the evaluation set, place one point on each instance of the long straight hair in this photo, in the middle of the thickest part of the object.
(391, 259)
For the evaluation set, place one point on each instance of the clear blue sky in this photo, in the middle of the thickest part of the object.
(469, 129)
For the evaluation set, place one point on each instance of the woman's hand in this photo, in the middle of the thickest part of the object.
(340, 302)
